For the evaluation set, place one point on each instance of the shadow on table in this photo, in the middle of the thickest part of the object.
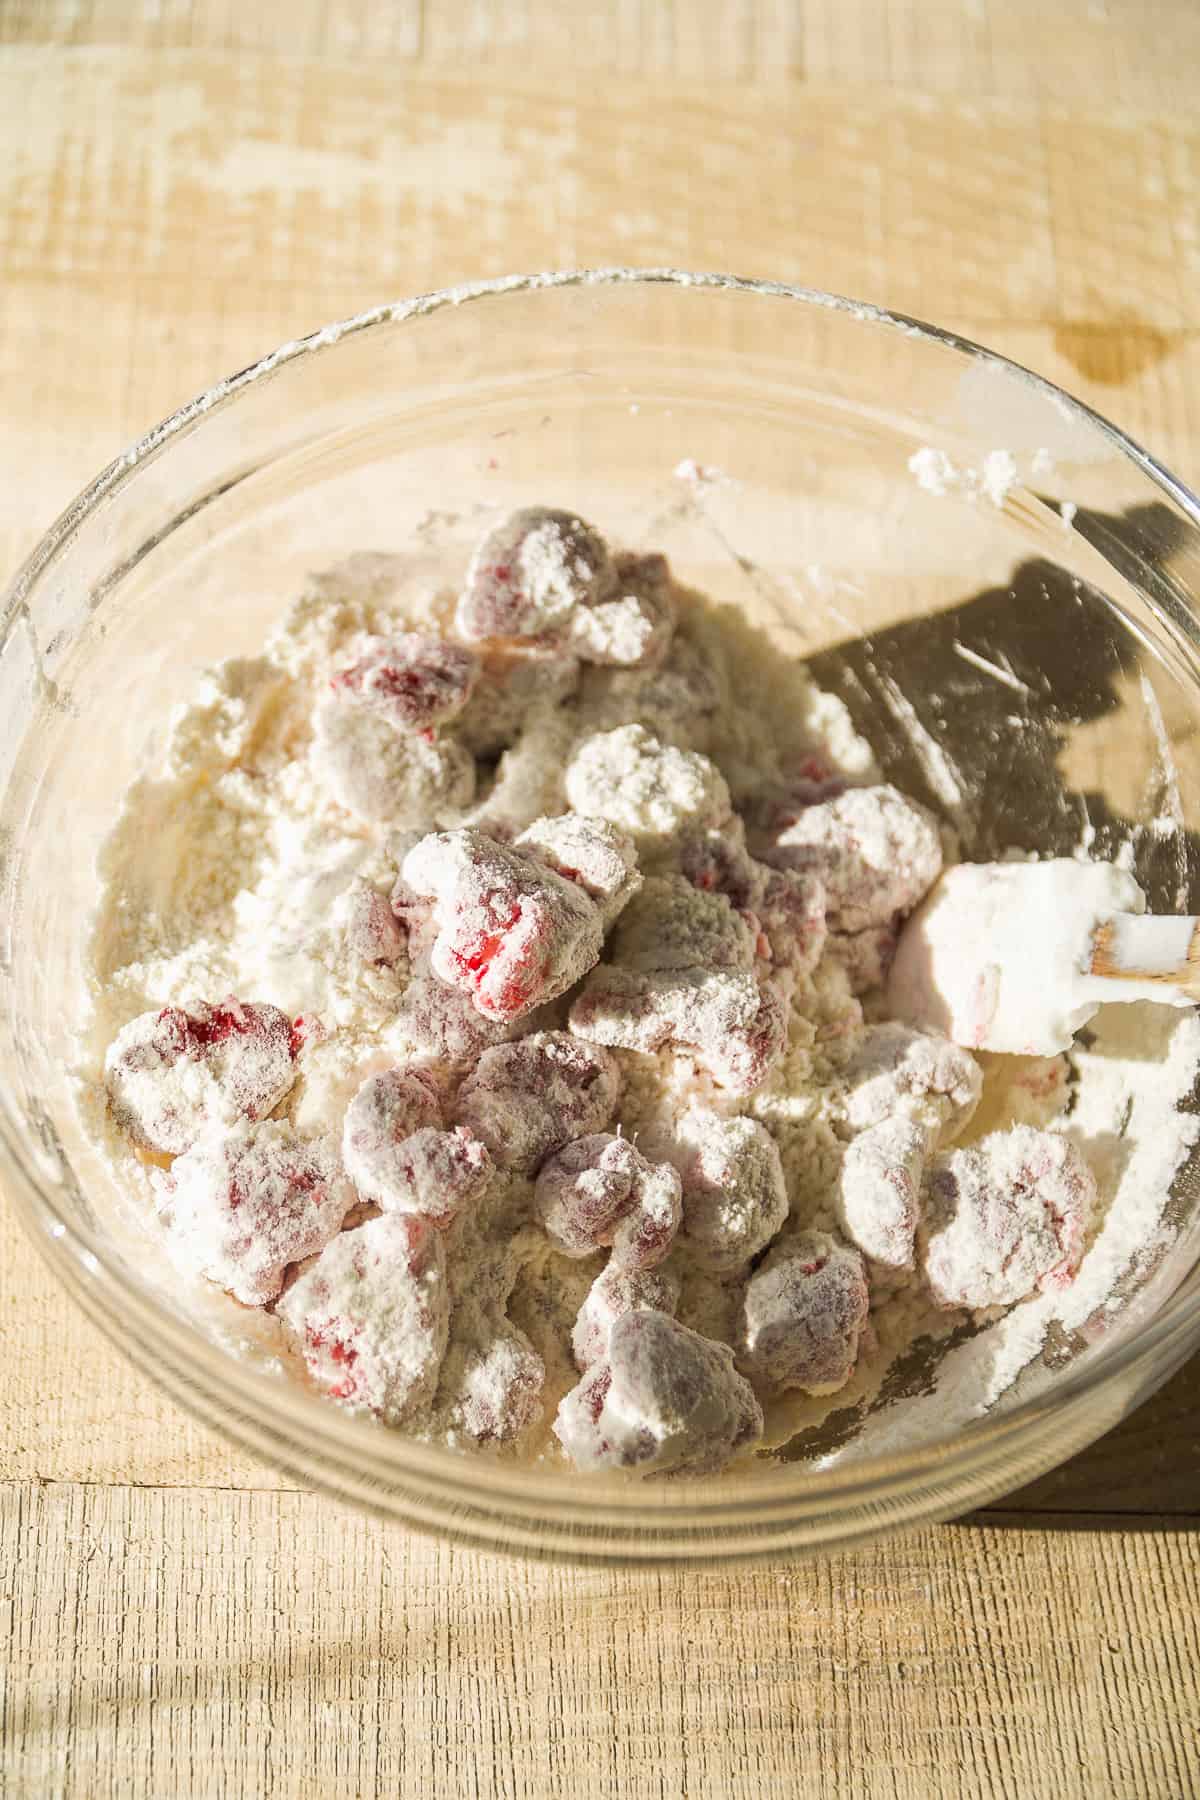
(1041, 635)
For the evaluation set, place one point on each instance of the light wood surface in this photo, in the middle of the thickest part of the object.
(183, 185)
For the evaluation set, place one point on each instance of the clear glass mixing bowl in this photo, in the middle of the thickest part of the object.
(1067, 565)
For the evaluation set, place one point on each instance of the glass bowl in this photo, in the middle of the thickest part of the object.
(763, 436)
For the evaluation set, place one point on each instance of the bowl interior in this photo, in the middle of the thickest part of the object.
(1008, 622)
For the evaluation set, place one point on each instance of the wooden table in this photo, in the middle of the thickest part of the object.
(181, 187)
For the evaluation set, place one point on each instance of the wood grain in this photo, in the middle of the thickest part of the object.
(163, 1636)
(185, 184)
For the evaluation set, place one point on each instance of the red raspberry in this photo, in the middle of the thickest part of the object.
(530, 573)
(682, 974)
(657, 793)
(413, 681)
(879, 1200)
(502, 1387)
(373, 932)
(398, 1156)
(518, 683)
(243, 1205)
(171, 1073)
(510, 932)
(1005, 1217)
(600, 1191)
(676, 698)
(616, 1291)
(387, 776)
(735, 1197)
(371, 1316)
(525, 1100)
(892, 1068)
(630, 624)
(439, 1024)
(804, 1312)
(877, 852)
(789, 907)
(664, 1401)
(593, 854)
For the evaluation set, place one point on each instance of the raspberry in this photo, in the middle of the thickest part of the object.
(590, 852)
(803, 1314)
(735, 1197)
(371, 1316)
(530, 573)
(630, 625)
(372, 931)
(877, 852)
(243, 1205)
(171, 1073)
(618, 1290)
(654, 791)
(682, 974)
(501, 1393)
(398, 1156)
(414, 682)
(789, 906)
(663, 1401)
(525, 1100)
(510, 932)
(893, 1069)
(1005, 1217)
(439, 1024)
(517, 682)
(600, 1191)
(387, 1108)
(386, 776)
(879, 1199)
(675, 698)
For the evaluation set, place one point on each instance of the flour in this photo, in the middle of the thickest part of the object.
(993, 480)
(263, 858)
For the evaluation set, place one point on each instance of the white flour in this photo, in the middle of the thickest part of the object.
(230, 871)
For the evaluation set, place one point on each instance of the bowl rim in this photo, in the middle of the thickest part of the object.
(801, 1488)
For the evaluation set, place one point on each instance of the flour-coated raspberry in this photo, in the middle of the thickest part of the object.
(892, 1068)
(243, 1204)
(600, 1191)
(655, 791)
(628, 625)
(803, 1314)
(683, 974)
(530, 573)
(438, 1024)
(596, 856)
(371, 1315)
(663, 1401)
(1005, 1217)
(171, 1073)
(616, 1291)
(398, 1156)
(735, 1198)
(877, 852)
(501, 1389)
(526, 1099)
(510, 932)
(879, 1195)
(415, 681)
(387, 776)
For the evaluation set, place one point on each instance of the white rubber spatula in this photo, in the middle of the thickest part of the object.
(1017, 956)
